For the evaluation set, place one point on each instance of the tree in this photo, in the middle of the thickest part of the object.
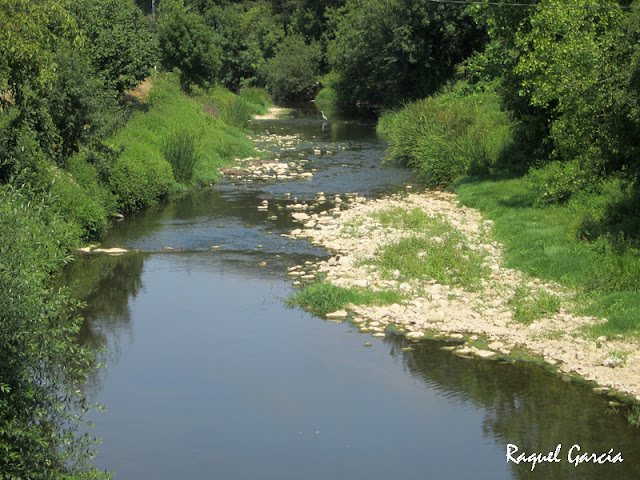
(247, 38)
(120, 45)
(389, 51)
(292, 73)
(81, 108)
(41, 366)
(188, 44)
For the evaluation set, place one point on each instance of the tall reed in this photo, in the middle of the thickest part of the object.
(182, 151)
(443, 138)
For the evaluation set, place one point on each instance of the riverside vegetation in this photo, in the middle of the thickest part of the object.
(78, 146)
(169, 146)
(529, 113)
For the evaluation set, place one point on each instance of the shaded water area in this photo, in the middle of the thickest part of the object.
(210, 376)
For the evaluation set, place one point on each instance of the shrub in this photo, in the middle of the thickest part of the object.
(256, 96)
(182, 151)
(235, 112)
(557, 181)
(140, 176)
(80, 196)
(445, 137)
(41, 365)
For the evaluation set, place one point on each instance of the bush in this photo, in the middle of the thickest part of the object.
(292, 73)
(41, 365)
(258, 97)
(557, 181)
(182, 151)
(140, 176)
(235, 112)
(445, 137)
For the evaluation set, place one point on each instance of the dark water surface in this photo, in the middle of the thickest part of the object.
(210, 376)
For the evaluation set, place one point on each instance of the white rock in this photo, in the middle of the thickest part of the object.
(435, 316)
(415, 334)
(300, 216)
(484, 353)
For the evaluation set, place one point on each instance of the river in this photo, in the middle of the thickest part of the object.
(210, 375)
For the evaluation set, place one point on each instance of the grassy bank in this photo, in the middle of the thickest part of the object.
(178, 142)
(553, 225)
(543, 241)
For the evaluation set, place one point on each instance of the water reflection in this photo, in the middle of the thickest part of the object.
(528, 406)
(210, 375)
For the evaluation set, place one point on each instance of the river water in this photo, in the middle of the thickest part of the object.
(210, 375)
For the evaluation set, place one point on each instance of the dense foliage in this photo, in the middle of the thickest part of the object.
(294, 69)
(385, 52)
(544, 93)
(40, 365)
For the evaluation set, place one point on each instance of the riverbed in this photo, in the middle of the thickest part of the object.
(210, 375)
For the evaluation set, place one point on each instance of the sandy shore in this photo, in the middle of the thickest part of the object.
(482, 318)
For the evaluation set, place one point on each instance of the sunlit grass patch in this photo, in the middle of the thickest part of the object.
(322, 298)
(415, 219)
(446, 259)
(542, 241)
(538, 241)
(529, 306)
(622, 311)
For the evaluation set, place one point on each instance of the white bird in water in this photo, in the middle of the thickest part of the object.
(324, 117)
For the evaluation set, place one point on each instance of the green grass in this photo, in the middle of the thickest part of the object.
(322, 298)
(446, 259)
(182, 151)
(542, 241)
(416, 220)
(444, 137)
(437, 251)
(529, 306)
(559, 222)
(328, 101)
(537, 240)
(622, 311)
(235, 110)
(259, 98)
(142, 172)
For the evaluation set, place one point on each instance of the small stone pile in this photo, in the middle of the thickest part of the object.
(253, 169)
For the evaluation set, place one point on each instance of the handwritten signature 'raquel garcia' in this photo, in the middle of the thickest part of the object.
(573, 456)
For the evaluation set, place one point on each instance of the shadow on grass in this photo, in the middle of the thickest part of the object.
(500, 189)
(620, 225)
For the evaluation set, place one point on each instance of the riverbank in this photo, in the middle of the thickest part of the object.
(484, 317)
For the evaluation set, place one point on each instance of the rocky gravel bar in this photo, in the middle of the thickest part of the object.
(483, 319)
